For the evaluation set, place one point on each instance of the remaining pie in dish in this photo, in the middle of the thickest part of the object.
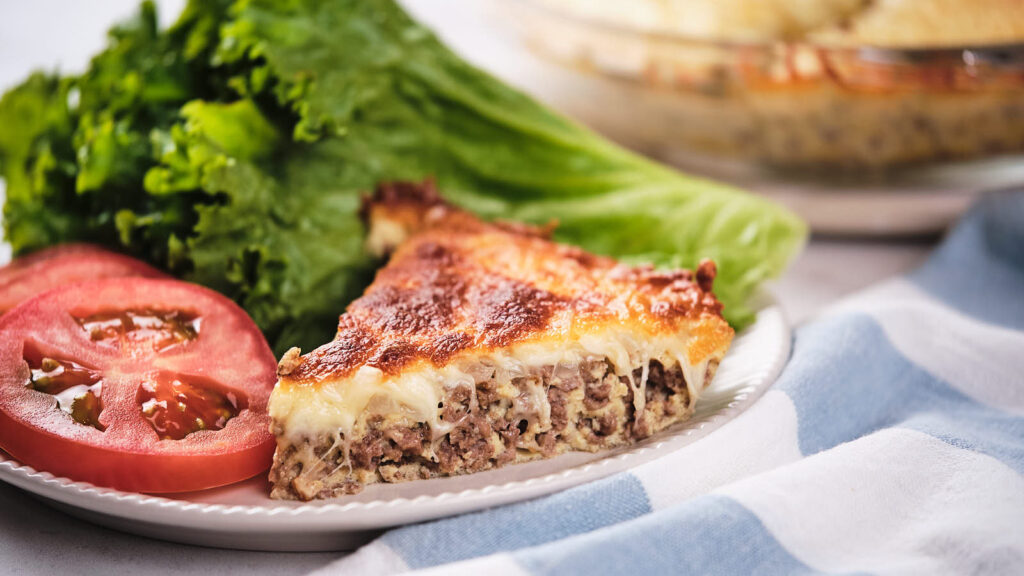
(482, 344)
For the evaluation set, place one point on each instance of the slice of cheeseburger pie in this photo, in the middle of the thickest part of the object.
(483, 344)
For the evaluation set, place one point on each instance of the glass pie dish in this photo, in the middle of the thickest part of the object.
(787, 104)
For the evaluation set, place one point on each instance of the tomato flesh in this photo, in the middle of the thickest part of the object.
(138, 384)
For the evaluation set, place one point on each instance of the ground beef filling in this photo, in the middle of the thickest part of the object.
(587, 408)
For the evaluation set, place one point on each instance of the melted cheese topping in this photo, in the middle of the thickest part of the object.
(340, 407)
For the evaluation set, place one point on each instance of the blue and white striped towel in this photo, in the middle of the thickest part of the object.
(893, 443)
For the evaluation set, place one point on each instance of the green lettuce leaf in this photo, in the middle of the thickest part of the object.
(74, 150)
(284, 242)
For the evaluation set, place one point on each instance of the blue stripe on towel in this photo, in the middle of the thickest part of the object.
(846, 381)
(707, 535)
(979, 269)
(581, 509)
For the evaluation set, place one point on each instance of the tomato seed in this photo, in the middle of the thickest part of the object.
(53, 376)
(76, 388)
(86, 409)
(176, 407)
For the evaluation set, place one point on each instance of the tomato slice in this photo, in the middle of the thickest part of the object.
(40, 271)
(139, 384)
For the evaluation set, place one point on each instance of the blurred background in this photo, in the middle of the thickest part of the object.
(879, 122)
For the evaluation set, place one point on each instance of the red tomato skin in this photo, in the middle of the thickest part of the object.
(30, 275)
(115, 469)
(142, 463)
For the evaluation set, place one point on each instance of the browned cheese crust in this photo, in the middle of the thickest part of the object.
(458, 285)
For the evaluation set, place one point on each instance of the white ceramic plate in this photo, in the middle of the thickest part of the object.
(243, 516)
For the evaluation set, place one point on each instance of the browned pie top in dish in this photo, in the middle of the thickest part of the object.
(833, 86)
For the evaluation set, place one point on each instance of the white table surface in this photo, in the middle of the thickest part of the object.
(35, 539)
